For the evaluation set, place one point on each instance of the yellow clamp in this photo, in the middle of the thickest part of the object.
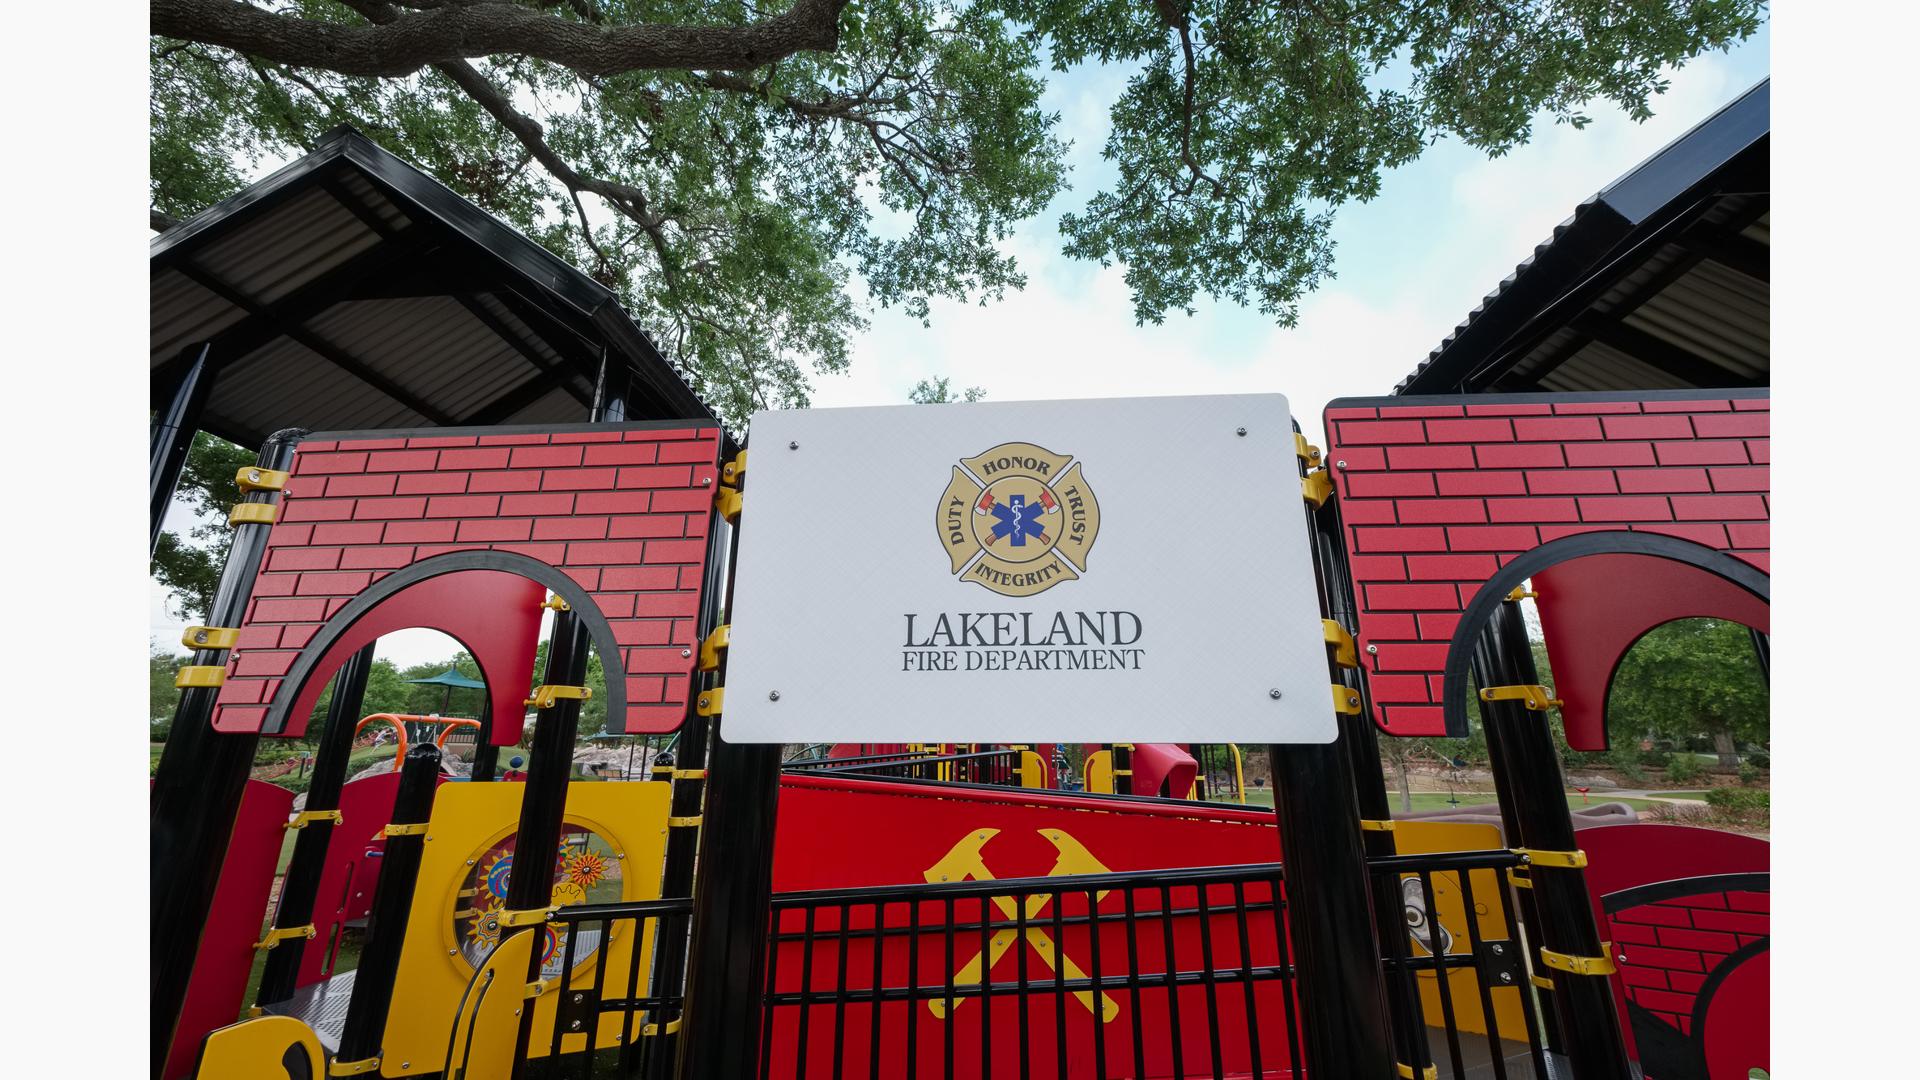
(416, 828)
(1521, 592)
(1342, 642)
(659, 768)
(1346, 700)
(1305, 450)
(535, 989)
(689, 774)
(530, 917)
(690, 821)
(251, 513)
(1541, 981)
(202, 676)
(655, 1029)
(210, 637)
(715, 644)
(307, 817)
(1566, 860)
(1317, 487)
(1371, 825)
(1581, 965)
(727, 501)
(1431, 1072)
(555, 603)
(276, 935)
(254, 478)
(734, 470)
(354, 1068)
(708, 703)
(1517, 879)
(1536, 697)
(545, 697)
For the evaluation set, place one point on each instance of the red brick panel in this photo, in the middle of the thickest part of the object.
(1438, 494)
(1673, 945)
(623, 511)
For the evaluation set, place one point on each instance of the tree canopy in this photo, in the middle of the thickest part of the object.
(751, 179)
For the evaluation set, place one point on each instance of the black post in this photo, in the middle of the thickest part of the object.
(197, 787)
(1762, 651)
(174, 423)
(1590, 1026)
(543, 800)
(364, 1028)
(302, 881)
(1336, 949)
(486, 756)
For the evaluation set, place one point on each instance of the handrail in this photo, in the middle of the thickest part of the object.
(401, 720)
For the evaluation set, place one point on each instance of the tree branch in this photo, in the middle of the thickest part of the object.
(160, 222)
(1176, 20)
(413, 39)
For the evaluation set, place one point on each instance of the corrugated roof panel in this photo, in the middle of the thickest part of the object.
(556, 407)
(431, 346)
(286, 379)
(1715, 313)
(374, 200)
(180, 312)
(1602, 367)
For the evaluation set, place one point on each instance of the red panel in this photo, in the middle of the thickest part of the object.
(390, 502)
(1590, 622)
(347, 876)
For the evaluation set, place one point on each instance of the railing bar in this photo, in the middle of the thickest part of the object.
(840, 999)
(1059, 989)
(1206, 962)
(913, 982)
(1099, 993)
(970, 991)
(767, 1009)
(599, 985)
(806, 988)
(1022, 948)
(986, 996)
(1174, 1036)
(946, 1029)
(1528, 993)
(630, 1034)
(1070, 920)
(1133, 984)
(879, 949)
(1246, 970)
(1475, 943)
(1404, 968)
(1441, 975)
(1288, 988)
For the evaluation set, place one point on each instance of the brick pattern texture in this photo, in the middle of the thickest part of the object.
(1672, 946)
(622, 511)
(1436, 495)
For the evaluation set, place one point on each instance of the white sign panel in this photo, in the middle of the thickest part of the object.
(1129, 569)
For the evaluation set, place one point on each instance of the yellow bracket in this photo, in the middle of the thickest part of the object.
(556, 603)
(1580, 965)
(417, 828)
(1317, 487)
(1305, 450)
(1517, 879)
(690, 821)
(727, 501)
(210, 637)
(1431, 1072)
(278, 934)
(1536, 697)
(689, 774)
(658, 768)
(202, 676)
(254, 478)
(545, 697)
(1346, 700)
(1521, 592)
(530, 917)
(307, 817)
(354, 1068)
(708, 703)
(1370, 825)
(733, 471)
(715, 644)
(1541, 981)
(1342, 642)
(655, 1029)
(1566, 860)
(535, 989)
(251, 513)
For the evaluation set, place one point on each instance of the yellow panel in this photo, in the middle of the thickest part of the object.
(1033, 770)
(1427, 837)
(255, 1048)
(468, 821)
(1098, 770)
(489, 1019)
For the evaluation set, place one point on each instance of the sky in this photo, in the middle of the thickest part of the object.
(1410, 264)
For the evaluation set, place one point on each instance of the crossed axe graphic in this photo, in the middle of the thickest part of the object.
(964, 862)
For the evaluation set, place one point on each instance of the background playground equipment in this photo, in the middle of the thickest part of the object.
(447, 725)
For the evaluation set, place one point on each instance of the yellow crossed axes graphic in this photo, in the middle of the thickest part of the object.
(964, 862)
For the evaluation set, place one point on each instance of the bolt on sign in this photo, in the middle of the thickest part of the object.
(1128, 568)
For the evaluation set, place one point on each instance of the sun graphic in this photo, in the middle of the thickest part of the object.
(493, 876)
(485, 931)
(586, 869)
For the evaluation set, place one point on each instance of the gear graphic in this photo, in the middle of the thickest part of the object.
(586, 869)
(484, 933)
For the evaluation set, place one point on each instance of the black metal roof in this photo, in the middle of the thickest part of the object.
(1659, 281)
(349, 290)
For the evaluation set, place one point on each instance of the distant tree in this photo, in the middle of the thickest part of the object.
(189, 566)
(386, 693)
(1692, 679)
(937, 392)
(162, 697)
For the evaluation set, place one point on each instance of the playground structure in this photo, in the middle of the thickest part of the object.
(909, 909)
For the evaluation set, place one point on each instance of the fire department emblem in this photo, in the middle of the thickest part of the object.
(1018, 519)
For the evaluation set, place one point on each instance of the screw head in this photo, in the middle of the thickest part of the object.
(686, 653)
(793, 446)
(578, 998)
(253, 476)
(1495, 949)
(1506, 976)
(1339, 464)
(773, 695)
(1373, 650)
(706, 481)
(1242, 432)
(575, 1025)
(1274, 694)
(703, 702)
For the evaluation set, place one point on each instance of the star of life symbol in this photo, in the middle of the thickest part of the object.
(964, 862)
(1032, 523)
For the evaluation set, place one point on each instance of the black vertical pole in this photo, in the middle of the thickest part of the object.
(1762, 651)
(486, 756)
(1336, 949)
(302, 881)
(1370, 788)
(197, 787)
(1590, 1026)
(364, 1028)
(174, 422)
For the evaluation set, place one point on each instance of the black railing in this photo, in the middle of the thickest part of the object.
(996, 768)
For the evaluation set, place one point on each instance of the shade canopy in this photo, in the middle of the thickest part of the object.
(453, 678)
(351, 291)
